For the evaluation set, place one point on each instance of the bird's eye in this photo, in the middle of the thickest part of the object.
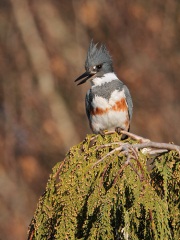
(99, 66)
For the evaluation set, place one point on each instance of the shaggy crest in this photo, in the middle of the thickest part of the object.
(97, 56)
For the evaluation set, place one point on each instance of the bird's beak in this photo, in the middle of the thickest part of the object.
(85, 76)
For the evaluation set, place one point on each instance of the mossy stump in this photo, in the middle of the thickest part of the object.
(111, 199)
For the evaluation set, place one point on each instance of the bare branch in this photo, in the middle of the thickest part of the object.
(107, 155)
(166, 146)
(147, 146)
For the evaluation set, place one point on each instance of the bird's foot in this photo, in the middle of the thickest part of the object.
(118, 130)
(102, 133)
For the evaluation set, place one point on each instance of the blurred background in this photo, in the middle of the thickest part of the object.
(43, 47)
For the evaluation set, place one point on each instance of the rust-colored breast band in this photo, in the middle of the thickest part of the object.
(118, 106)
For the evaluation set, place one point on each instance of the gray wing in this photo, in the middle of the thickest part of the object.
(129, 101)
(88, 104)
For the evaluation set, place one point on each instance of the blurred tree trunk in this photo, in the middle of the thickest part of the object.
(41, 66)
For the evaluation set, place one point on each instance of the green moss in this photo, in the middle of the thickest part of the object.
(111, 200)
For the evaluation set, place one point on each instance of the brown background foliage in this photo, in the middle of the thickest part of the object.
(43, 47)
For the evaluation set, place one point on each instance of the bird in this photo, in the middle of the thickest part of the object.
(108, 102)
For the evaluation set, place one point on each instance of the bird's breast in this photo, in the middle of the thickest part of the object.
(116, 102)
(109, 113)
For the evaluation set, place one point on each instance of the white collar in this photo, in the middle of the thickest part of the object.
(107, 77)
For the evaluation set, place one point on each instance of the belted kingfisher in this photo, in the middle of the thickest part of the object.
(108, 102)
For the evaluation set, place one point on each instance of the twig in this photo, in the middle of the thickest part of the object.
(131, 151)
(108, 145)
(135, 137)
(59, 169)
(166, 146)
(162, 147)
(122, 168)
(104, 172)
(135, 170)
(135, 152)
(153, 151)
(107, 155)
